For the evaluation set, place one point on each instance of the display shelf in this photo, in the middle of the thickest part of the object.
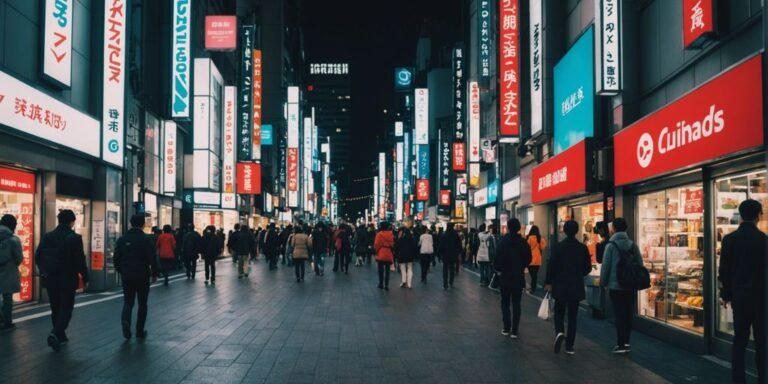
(688, 306)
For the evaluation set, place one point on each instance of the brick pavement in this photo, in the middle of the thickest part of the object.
(332, 329)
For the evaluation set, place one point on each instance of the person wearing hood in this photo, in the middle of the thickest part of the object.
(384, 245)
(10, 279)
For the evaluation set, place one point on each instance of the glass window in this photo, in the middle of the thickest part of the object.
(587, 216)
(670, 237)
(152, 153)
(729, 193)
(21, 205)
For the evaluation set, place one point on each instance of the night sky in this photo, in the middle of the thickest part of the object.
(374, 37)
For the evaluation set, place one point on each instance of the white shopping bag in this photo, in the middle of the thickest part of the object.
(729, 314)
(545, 308)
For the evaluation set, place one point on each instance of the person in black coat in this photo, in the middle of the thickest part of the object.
(136, 261)
(407, 250)
(243, 244)
(191, 249)
(569, 263)
(450, 251)
(742, 275)
(61, 259)
(512, 256)
(210, 250)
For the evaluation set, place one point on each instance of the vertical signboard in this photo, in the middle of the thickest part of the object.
(266, 135)
(112, 120)
(458, 93)
(445, 164)
(608, 47)
(181, 69)
(398, 128)
(536, 65)
(484, 41)
(509, 71)
(698, 22)
(57, 41)
(306, 148)
(245, 105)
(459, 157)
(474, 175)
(169, 157)
(422, 162)
(230, 93)
(422, 189)
(292, 154)
(97, 245)
(461, 186)
(249, 178)
(421, 112)
(256, 84)
(474, 122)
(382, 183)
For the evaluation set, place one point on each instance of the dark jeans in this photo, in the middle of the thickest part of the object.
(534, 271)
(132, 288)
(573, 311)
(346, 257)
(167, 265)
(190, 264)
(485, 272)
(210, 269)
(449, 272)
(62, 304)
(623, 302)
(513, 294)
(6, 311)
(383, 273)
(272, 258)
(747, 313)
(425, 260)
(336, 260)
(298, 265)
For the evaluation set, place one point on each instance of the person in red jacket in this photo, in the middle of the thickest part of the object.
(383, 245)
(166, 250)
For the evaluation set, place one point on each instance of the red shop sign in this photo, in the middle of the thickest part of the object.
(722, 117)
(249, 178)
(698, 22)
(220, 33)
(445, 197)
(561, 176)
(12, 180)
(459, 157)
(422, 189)
(293, 169)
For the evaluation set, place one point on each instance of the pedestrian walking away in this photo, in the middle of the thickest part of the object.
(742, 275)
(302, 248)
(426, 253)
(622, 297)
(11, 257)
(537, 244)
(136, 262)
(271, 246)
(243, 244)
(360, 244)
(512, 256)
(407, 249)
(166, 251)
(60, 258)
(320, 247)
(345, 251)
(569, 263)
(191, 249)
(449, 250)
(211, 251)
(384, 244)
(485, 253)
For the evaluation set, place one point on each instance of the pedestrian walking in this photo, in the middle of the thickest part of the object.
(474, 245)
(271, 246)
(485, 251)
(336, 246)
(622, 298)
(569, 263)
(166, 251)
(512, 256)
(345, 251)
(136, 262)
(210, 252)
(11, 257)
(222, 240)
(384, 244)
(230, 244)
(301, 245)
(360, 245)
(407, 249)
(742, 275)
(449, 250)
(61, 261)
(192, 246)
(426, 253)
(290, 231)
(320, 247)
(537, 244)
(243, 243)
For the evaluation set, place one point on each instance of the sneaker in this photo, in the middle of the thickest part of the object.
(559, 341)
(126, 330)
(53, 342)
(213, 282)
(620, 350)
(570, 351)
(504, 332)
(513, 335)
(141, 335)
(64, 340)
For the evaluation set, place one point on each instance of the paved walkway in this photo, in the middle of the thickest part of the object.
(331, 329)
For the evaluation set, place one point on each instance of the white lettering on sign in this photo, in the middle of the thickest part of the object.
(553, 178)
(114, 84)
(572, 101)
(697, 17)
(608, 47)
(180, 63)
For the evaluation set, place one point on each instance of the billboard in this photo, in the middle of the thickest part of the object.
(113, 96)
(220, 33)
(574, 92)
(256, 102)
(230, 93)
(249, 178)
(536, 43)
(509, 71)
(245, 104)
(421, 117)
(169, 157)
(181, 67)
(403, 79)
(57, 41)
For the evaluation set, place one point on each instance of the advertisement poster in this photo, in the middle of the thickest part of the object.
(97, 245)
(574, 108)
(693, 201)
(25, 232)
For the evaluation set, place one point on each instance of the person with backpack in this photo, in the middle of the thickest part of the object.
(60, 258)
(11, 257)
(537, 244)
(426, 253)
(622, 264)
(136, 262)
(210, 252)
(566, 269)
(512, 255)
(166, 251)
(191, 250)
(301, 245)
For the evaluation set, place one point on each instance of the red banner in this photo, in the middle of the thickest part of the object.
(722, 117)
(693, 201)
(509, 68)
(220, 33)
(12, 180)
(422, 189)
(24, 230)
(698, 22)
(293, 169)
(459, 157)
(249, 178)
(445, 197)
(561, 176)
(257, 77)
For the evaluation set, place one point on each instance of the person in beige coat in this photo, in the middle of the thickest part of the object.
(301, 244)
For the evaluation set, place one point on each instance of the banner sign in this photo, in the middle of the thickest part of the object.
(461, 186)
(608, 47)
(12, 180)
(257, 77)
(220, 33)
(574, 94)
(97, 245)
(459, 157)
(711, 122)
(245, 105)
(458, 93)
(422, 189)
(423, 162)
(562, 175)
(474, 122)
(422, 116)
(113, 96)
(57, 41)
(484, 41)
(249, 178)
(480, 197)
(293, 169)
(698, 22)
(181, 67)
(169, 157)
(509, 70)
(26, 233)
(229, 139)
(460, 210)
(445, 197)
(511, 189)
(536, 44)
(266, 135)
(493, 191)
(474, 175)
(398, 128)
(445, 164)
(693, 201)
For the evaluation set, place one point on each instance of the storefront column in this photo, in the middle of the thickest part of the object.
(105, 228)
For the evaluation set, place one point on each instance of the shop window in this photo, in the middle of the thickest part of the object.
(671, 240)
(729, 193)
(21, 205)
(587, 216)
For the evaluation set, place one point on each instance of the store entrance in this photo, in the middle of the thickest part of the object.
(587, 215)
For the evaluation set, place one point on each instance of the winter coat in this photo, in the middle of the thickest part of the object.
(10, 278)
(210, 247)
(484, 250)
(361, 241)
(166, 246)
(301, 245)
(742, 264)
(426, 244)
(449, 247)
(191, 245)
(536, 250)
(569, 263)
(135, 255)
(406, 247)
(319, 242)
(66, 246)
(609, 271)
(242, 242)
(383, 245)
(512, 256)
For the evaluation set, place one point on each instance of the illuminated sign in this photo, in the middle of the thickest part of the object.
(180, 59)
(57, 41)
(112, 119)
(257, 96)
(474, 122)
(329, 69)
(245, 103)
(509, 71)
(230, 137)
(169, 157)
(403, 79)
(458, 93)
(574, 94)
(608, 47)
(421, 112)
(536, 65)
(220, 33)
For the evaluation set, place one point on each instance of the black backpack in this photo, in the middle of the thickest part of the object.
(630, 273)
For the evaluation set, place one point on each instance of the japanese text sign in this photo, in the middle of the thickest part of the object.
(112, 118)
(509, 69)
(698, 22)
(220, 33)
(562, 175)
(608, 47)
(57, 41)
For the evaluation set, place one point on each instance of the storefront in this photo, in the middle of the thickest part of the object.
(17, 198)
(681, 188)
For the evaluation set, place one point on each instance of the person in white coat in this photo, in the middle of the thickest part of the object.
(426, 252)
(485, 251)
